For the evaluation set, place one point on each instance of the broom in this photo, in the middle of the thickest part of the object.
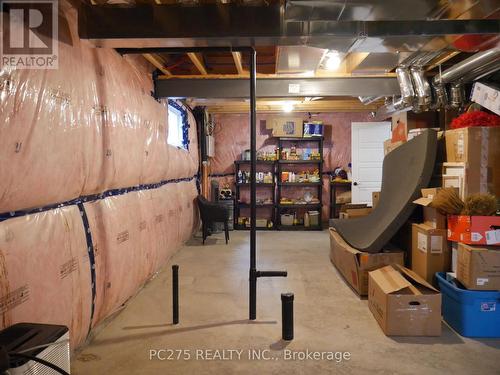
(480, 205)
(448, 202)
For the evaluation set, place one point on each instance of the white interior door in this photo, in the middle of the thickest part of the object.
(367, 149)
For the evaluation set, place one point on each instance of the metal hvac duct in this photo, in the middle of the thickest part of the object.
(474, 62)
(406, 85)
(475, 67)
(423, 92)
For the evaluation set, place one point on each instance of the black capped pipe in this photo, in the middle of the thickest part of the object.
(287, 316)
(175, 294)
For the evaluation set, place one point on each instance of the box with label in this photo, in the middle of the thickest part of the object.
(313, 129)
(287, 127)
(487, 96)
(474, 230)
(478, 267)
(432, 217)
(403, 303)
(478, 148)
(430, 251)
(354, 264)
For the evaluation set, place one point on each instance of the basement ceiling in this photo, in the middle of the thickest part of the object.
(292, 37)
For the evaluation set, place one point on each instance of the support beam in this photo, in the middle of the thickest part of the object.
(276, 88)
(237, 62)
(157, 63)
(197, 61)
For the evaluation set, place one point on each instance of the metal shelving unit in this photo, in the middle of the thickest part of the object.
(334, 206)
(283, 185)
(242, 205)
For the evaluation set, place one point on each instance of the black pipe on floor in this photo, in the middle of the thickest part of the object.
(175, 294)
(287, 316)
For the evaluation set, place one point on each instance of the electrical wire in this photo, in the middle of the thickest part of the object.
(39, 360)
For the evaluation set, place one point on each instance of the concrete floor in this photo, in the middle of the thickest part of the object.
(329, 317)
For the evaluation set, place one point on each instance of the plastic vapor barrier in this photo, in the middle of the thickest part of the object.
(45, 271)
(90, 139)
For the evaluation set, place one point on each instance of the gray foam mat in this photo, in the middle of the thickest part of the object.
(406, 170)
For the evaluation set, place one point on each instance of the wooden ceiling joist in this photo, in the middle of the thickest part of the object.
(442, 59)
(354, 59)
(237, 62)
(274, 106)
(245, 75)
(197, 61)
(158, 63)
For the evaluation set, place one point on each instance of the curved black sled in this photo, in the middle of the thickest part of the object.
(405, 171)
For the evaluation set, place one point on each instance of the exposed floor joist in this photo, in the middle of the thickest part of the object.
(269, 106)
(237, 62)
(245, 75)
(157, 63)
(354, 59)
(442, 59)
(197, 61)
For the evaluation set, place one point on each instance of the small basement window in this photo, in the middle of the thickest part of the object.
(178, 126)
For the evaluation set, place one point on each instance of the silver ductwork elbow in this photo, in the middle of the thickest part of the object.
(457, 95)
(405, 85)
(423, 94)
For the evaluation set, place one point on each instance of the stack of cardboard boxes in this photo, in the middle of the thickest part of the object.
(430, 249)
(464, 251)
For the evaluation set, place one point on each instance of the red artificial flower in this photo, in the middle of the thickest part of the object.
(476, 118)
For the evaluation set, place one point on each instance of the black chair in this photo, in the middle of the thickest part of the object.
(212, 212)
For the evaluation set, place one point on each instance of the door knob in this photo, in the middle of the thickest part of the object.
(355, 183)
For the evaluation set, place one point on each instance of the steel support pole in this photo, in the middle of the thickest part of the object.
(253, 207)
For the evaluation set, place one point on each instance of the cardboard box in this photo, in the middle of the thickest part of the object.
(432, 217)
(403, 122)
(389, 146)
(354, 264)
(486, 96)
(430, 251)
(478, 268)
(403, 303)
(478, 148)
(287, 127)
(358, 212)
(375, 198)
(474, 230)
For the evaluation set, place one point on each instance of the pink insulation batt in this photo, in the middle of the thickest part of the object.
(88, 127)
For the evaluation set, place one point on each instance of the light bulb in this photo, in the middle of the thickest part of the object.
(332, 61)
(287, 107)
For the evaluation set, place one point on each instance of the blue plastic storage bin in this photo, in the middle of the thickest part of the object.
(471, 313)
